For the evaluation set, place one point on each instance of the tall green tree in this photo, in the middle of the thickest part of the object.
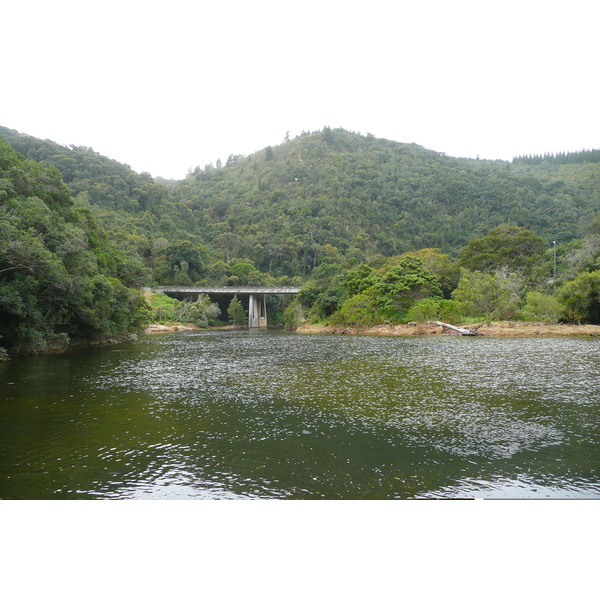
(404, 284)
(541, 307)
(237, 313)
(359, 279)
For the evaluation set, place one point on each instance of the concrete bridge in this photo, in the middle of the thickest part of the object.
(257, 305)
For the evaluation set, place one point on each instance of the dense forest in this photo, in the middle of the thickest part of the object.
(369, 227)
(61, 276)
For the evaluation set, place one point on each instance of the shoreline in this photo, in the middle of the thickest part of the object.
(498, 329)
(158, 328)
(503, 329)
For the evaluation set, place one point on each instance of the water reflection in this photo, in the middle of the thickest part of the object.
(231, 415)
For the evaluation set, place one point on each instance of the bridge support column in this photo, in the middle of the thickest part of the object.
(257, 311)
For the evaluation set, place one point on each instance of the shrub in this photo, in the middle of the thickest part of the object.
(540, 307)
(434, 309)
(360, 310)
(292, 317)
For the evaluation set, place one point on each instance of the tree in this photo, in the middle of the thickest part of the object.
(504, 246)
(404, 284)
(439, 264)
(434, 309)
(245, 272)
(481, 293)
(584, 255)
(228, 243)
(184, 251)
(292, 316)
(236, 312)
(60, 276)
(203, 311)
(581, 297)
(360, 310)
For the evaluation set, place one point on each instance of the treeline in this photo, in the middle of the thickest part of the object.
(561, 158)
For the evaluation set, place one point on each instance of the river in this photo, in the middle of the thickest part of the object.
(266, 414)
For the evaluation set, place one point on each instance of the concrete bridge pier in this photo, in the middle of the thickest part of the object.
(257, 311)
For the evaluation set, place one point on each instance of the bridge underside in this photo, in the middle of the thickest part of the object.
(257, 302)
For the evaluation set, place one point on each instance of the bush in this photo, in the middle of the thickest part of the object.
(360, 310)
(292, 317)
(540, 307)
(434, 309)
(481, 294)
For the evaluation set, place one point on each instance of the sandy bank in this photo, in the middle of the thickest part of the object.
(497, 329)
(156, 328)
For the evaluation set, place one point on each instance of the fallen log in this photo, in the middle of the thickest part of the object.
(461, 330)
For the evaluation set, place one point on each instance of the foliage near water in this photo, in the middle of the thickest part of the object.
(167, 310)
(236, 312)
(341, 214)
(511, 282)
(61, 276)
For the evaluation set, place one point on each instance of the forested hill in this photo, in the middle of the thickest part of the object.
(325, 196)
(103, 181)
(367, 195)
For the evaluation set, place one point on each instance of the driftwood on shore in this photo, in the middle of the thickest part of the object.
(461, 330)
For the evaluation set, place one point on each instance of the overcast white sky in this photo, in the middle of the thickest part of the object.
(166, 86)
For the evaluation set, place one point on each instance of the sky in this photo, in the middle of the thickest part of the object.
(168, 86)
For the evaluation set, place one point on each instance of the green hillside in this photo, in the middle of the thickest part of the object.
(287, 209)
(312, 209)
(367, 196)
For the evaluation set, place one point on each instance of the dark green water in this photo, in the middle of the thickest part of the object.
(208, 415)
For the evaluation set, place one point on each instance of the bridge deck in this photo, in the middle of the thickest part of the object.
(194, 289)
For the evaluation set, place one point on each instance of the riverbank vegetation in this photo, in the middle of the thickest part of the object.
(502, 276)
(375, 232)
(61, 276)
(169, 311)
